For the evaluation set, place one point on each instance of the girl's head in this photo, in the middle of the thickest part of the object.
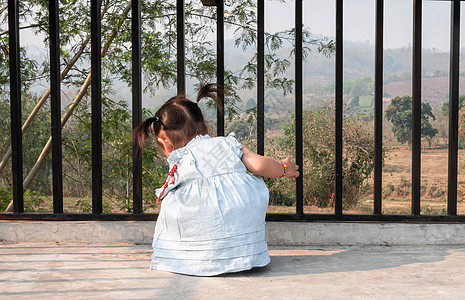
(177, 121)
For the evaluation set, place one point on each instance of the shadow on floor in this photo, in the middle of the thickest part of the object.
(286, 262)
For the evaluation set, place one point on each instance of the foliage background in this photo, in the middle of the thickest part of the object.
(159, 71)
(159, 74)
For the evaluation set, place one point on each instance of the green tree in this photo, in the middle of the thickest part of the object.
(159, 71)
(445, 105)
(319, 155)
(461, 133)
(445, 112)
(358, 87)
(399, 113)
(159, 43)
(355, 102)
(33, 141)
(117, 159)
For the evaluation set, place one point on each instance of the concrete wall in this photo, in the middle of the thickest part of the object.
(278, 233)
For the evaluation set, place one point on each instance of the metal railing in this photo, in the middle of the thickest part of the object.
(138, 214)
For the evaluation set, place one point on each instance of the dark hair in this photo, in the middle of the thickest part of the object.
(180, 117)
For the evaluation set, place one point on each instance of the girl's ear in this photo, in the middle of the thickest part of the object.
(166, 144)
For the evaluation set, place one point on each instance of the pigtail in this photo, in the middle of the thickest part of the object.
(182, 119)
(142, 132)
(210, 90)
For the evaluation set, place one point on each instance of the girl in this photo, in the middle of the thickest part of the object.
(212, 219)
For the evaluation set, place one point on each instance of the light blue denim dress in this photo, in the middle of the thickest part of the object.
(212, 218)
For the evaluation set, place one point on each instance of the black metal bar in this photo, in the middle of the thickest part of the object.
(15, 106)
(261, 77)
(58, 215)
(96, 71)
(416, 107)
(79, 217)
(136, 104)
(55, 98)
(339, 107)
(299, 106)
(275, 217)
(453, 107)
(378, 114)
(181, 52)
(220, 65)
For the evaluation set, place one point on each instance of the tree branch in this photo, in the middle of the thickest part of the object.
(4, 8)
(24, 27)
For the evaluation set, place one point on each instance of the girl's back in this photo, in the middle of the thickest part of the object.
(212, 218)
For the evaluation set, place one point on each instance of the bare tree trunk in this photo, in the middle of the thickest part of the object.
(3, 8)
(48, 147)
(44, 98)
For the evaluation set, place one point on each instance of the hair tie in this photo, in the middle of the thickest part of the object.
(157, 119)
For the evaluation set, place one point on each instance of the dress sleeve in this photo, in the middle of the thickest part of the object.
(236, 146)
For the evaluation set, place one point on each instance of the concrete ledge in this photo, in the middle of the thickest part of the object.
(364, 234)
(133, 232)
(278, 233)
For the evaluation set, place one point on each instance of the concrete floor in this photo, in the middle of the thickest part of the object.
(90, 271)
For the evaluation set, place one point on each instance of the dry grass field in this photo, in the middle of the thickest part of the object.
(396, 188)
(434, 173)
(397, 185)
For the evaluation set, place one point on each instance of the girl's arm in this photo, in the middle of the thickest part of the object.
(267, 166)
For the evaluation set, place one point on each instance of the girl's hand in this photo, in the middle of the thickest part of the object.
(267, 166)
(292, 168)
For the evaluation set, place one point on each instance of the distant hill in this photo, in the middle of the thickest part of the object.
(433, 90)
(320, 71)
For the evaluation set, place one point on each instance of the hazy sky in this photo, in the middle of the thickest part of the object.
(359, 20)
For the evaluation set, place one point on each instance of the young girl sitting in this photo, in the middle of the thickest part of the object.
(212, 219)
